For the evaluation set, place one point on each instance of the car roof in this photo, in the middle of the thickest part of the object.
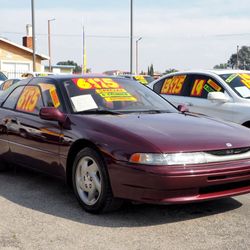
(212, 71)
(70, 76)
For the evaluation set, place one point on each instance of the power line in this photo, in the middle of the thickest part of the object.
(127, 37)
(70, 35)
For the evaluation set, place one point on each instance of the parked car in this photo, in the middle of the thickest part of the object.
(3, 77)
(113, 139)
(143, 79)
(224, 94)
(7, 83)
(35, 74)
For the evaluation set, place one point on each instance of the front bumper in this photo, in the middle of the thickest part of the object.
(179, 184)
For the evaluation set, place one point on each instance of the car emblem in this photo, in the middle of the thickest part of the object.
(229, 145)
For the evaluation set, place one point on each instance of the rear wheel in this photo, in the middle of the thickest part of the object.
(91, 183)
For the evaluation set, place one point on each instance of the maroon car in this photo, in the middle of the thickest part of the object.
(114, 139)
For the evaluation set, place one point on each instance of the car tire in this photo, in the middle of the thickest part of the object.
(91, 183)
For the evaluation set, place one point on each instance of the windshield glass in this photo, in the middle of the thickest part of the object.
(143, 79)
(113, 94)
(240, 83)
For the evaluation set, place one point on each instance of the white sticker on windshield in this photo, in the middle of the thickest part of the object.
(83, 102)
(243, 91)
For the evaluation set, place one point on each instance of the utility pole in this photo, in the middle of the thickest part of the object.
(131, 36)
(137, 56)
(49, 43)
(33, 35)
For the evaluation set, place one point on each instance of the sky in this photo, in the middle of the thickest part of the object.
(193, 34)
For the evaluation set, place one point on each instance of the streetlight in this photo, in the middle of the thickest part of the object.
(131, 36)
(49, 46)
(137, 58)
(33, 34)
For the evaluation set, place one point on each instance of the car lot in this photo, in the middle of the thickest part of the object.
(39, 212)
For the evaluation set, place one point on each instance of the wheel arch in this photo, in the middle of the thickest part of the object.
(74, 149)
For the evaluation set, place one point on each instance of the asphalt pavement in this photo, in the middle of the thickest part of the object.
(40, 212)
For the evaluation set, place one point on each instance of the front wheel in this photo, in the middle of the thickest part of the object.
(91, 183)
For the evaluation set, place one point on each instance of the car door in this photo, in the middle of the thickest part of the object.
(35, 142)
(197, 101)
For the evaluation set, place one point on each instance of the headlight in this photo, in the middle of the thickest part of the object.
(168, 159)
(184, 158)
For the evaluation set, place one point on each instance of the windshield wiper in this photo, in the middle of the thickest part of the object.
(154, 111)
(99, 111)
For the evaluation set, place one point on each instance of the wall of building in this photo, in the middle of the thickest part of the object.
(9, 53)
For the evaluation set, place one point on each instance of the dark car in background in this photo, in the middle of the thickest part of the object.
(143, 79)
(3, 77)
(113, 139)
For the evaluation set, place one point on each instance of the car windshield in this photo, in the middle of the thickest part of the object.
(240, 83)
(117, 95)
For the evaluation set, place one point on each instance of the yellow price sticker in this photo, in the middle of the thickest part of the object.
(198, 87)
(96, 83)
(173, 85)
(29, 99)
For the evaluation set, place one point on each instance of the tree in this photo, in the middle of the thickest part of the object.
(221, 66)
(168, 71)
(243, 59)
(151, 70)
(77, 69)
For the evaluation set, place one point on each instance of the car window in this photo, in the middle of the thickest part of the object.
(6, 84)
(240, 83)
(2, 77)
(50, 95)
(158, 85)
(201, 85)
(30, 101)
(11, 101)
(175, 85)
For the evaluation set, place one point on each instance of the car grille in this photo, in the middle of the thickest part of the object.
(224, 187)
(233, 151)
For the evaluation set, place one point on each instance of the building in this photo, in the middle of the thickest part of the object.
(16, 59)
(60, 69)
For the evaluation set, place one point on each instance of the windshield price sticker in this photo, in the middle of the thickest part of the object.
(28, 100)
(54, 97)
(96, 83)
(214, 85)
(173, 85)
(245, 79)
(114, 95)
(231, 78)
(198, 87)
(140, 79)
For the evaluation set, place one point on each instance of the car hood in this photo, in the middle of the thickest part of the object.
(174, 132)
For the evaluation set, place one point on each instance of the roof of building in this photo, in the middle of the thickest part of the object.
(43, 57)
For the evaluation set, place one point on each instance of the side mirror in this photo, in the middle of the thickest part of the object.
(217, 96)
(52, 114)
(182, 108)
